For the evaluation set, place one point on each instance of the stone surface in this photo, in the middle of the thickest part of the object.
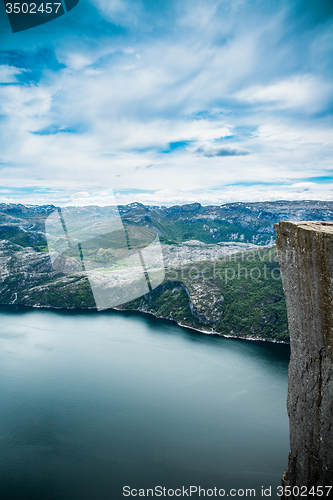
(305, 252)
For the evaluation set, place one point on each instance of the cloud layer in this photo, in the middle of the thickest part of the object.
(167, 102)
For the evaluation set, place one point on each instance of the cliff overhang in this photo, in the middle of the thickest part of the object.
(305, 253)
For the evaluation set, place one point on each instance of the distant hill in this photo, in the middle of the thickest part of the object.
(239, 222)
(222, 274)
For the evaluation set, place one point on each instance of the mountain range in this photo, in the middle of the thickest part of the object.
(222, 274)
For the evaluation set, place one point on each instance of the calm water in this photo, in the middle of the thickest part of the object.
(91, 402)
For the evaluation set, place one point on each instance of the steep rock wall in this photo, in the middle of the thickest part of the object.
(305, 252)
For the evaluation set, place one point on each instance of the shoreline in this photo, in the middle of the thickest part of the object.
(206, 332)
(94, 309)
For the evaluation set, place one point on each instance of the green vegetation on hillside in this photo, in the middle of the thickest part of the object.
(247, 284)
(240, 296)
(178, 231)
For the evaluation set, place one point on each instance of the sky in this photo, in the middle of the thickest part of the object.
(168, 102)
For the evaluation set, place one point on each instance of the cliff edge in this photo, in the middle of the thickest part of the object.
(305, 252)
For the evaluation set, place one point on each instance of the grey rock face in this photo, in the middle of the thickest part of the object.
(305, 252)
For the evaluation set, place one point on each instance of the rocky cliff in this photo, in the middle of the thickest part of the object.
(305, 251)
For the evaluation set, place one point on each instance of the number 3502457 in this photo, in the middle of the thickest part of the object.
(31, 8)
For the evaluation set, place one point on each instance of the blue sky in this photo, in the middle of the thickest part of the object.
(168, 102)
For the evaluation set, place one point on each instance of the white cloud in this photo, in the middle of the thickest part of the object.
(8, 73)
(119, 11)
(77, 61)
(297, 191)
(172, 196)
(295, 134)
(125, 99)
(306, 91)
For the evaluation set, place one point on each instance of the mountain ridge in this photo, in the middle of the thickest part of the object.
(240, 222)
(222, 273)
